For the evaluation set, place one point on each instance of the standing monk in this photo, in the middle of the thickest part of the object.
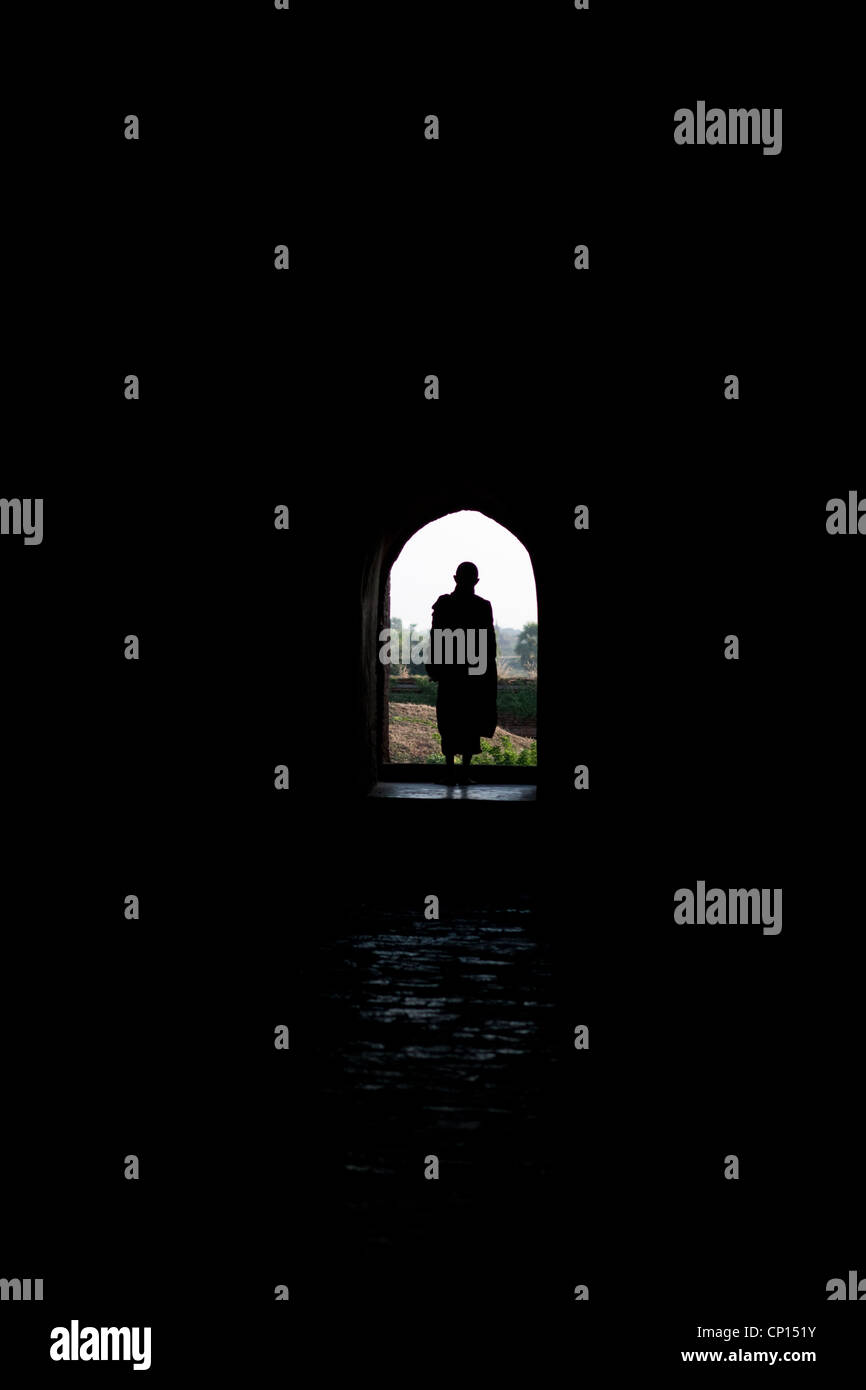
(464, 665)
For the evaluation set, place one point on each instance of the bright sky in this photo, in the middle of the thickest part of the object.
(425, 567)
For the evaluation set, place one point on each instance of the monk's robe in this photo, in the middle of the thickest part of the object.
(465, 704)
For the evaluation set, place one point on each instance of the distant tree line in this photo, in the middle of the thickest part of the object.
(512, 645)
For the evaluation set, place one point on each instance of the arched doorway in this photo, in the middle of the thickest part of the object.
(417, 570)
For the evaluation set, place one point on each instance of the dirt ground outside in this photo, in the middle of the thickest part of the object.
(414, 736)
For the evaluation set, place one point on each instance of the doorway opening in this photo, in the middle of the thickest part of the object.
(423, 570)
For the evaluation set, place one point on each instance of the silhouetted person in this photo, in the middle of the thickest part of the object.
(466, 701)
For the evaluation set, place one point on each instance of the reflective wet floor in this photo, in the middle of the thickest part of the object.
(437, 791)
(441, 1040)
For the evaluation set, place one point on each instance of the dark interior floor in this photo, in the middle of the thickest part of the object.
(437, 791)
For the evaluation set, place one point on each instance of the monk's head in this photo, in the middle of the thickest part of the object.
(466, 576)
